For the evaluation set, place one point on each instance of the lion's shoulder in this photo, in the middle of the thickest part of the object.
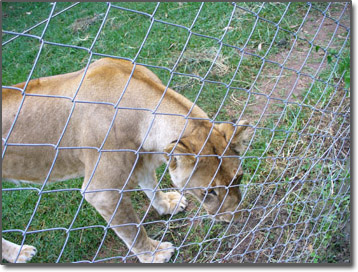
(107, 67)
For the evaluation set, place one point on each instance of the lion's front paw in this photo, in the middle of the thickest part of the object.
(164, 253)
(171, 203)
(161, 255)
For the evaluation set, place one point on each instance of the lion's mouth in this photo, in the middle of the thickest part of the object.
(226, 217)
(231, 216)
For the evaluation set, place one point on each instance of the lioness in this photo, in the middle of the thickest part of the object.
(115, 132)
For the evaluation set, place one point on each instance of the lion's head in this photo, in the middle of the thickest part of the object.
(214, 173)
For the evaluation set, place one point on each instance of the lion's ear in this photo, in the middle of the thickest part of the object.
(181, 151)
(238, 142)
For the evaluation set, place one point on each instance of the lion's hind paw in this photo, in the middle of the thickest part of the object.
(26, 254)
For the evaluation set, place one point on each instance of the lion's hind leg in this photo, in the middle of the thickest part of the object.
(10, 252)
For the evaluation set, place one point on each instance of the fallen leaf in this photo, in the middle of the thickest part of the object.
(310, 248)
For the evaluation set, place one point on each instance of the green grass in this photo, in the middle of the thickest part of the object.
(268, 177)
(53, 212)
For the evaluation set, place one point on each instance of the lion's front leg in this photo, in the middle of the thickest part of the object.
(124, 221)
(103, 193)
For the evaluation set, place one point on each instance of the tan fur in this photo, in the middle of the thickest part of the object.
(42, 120)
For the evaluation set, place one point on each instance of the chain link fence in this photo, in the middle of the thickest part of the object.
(285, 67)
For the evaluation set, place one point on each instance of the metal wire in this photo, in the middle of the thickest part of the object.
(273, 228)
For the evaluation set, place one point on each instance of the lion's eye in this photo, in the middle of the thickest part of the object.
(212, 191)
(239, 178)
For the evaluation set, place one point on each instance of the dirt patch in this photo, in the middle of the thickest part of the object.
(285, 76)
(83, 24)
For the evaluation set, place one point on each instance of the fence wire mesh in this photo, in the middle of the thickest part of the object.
(282, 66)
